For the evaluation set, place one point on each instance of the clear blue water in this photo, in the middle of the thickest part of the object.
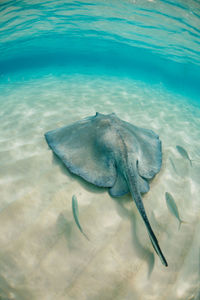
(61, 61)
(138, 38)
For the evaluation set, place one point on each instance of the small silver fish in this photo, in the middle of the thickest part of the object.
(75, 214)
(184, 153)
(173, 208)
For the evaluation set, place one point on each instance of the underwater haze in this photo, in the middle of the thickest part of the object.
(61, 61)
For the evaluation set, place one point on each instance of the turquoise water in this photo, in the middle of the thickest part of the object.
(131, 37)
(61, 61)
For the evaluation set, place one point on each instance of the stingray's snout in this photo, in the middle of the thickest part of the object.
(99, 114)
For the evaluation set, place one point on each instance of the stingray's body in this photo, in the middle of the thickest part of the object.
(109, 152)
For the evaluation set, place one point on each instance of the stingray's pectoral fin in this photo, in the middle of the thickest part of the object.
(138, 201)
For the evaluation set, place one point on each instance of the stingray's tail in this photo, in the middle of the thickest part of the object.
(138, 201)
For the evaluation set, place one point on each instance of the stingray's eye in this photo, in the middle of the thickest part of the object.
(96, 114)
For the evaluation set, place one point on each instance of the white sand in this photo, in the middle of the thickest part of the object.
(42, 253)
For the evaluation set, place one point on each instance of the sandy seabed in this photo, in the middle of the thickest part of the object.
(43, 255)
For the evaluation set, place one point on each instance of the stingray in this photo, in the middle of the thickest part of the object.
(109, 152)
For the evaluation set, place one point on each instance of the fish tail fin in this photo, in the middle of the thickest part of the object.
(85, 235)
(181, 222)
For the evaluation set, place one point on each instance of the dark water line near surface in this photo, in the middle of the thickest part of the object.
(93, 54)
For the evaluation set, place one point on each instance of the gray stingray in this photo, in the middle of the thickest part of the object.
(109, 152)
